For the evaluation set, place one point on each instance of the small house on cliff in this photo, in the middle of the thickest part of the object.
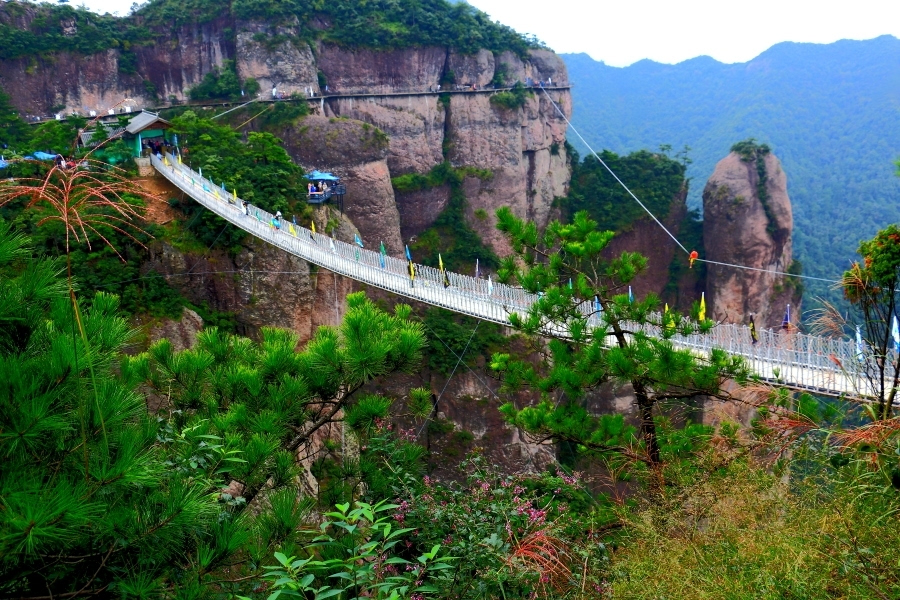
(147, 127)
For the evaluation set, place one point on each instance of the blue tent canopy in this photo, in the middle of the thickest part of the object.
(319, 176)
(3, 164)
(44, 156)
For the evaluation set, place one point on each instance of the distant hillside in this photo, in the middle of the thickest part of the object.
(830, 112)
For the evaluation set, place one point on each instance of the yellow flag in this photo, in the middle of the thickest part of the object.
(235, 194)
(291, 229)
(668, 322)
(312, 226)
(443, 272)
(217, 193)
(179, 159)
(165, 161)
(702, 306)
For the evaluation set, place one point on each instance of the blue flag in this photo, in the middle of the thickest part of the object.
(630, 295)
(408, 255)
(895, 333)
(597, 306)
(382, 253)
(786, 322)
(860, 355)
(357, 240)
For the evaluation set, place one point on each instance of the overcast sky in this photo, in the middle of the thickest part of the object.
(624, 31)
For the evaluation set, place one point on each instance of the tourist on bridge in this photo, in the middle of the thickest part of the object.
(246, 207)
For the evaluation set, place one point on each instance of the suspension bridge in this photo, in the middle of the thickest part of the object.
(821, 365)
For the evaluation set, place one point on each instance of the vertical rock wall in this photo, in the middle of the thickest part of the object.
(739, 229)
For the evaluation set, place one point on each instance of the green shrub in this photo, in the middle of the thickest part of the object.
(513, 98)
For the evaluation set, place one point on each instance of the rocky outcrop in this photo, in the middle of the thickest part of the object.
(357, 152)
(287, 66)
(261, 285)
(739, 228)
(181, 333)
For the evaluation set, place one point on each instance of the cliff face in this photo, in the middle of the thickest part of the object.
(739, 228)
(392, 90)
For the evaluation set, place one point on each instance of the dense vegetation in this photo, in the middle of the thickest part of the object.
(381, 24)
(826, 111)
(175, 474)
(655, 178)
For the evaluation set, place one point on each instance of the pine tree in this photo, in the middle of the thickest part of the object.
(873, 289)
(85, 493)
(98, 495)
(596, 334)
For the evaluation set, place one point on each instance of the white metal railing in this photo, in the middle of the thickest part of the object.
(818, 364)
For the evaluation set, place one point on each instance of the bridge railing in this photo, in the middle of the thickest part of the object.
(819, 364)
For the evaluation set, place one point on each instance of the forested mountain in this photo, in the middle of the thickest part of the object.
(830, 113)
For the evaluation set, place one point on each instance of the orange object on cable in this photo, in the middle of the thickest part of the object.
(694, 256)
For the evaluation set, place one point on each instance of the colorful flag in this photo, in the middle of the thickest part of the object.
(331, 244)
(490, 286)
(477, 273)
(630, 295)
(218, 197)
(668, 319)
(412, 268)
(786, 322)
(383, 252)
(257, 216)
(895, 333)
(179, 158)
(860, 355)
(312, 226)
(702, 306)
(443, 271)
(165, 161)
(200, 170)
(598, 308)
(754, 336)
(292, 230)
(357, 240)
(570, 284)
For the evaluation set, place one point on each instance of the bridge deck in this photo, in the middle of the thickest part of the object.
(816, 364)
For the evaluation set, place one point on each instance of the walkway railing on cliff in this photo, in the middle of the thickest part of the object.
(817, 364)
(318, 99)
